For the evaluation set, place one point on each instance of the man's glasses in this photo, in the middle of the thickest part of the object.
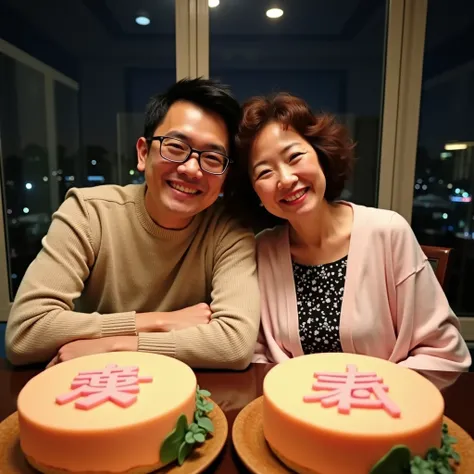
(177, 151)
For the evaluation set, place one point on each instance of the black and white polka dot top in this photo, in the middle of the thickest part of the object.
(319, 293)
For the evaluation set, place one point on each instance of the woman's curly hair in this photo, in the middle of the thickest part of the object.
(331, 141)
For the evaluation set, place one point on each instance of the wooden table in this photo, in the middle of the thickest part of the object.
(233, 391)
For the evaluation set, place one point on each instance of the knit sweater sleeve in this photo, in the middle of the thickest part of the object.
(228, 341)
(42, 318)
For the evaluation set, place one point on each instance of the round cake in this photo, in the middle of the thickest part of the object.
(341, 413)
(104, 413)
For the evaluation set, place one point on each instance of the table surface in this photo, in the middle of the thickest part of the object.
(233, 391)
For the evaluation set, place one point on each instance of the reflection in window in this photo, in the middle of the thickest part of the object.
(443, 207)
(54, 136)
(330, 53)
(25, 163)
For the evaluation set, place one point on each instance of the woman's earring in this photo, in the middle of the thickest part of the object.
(261, 204)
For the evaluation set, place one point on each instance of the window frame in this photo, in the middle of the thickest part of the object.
(185, 37)
(50, 76)
(400, 136)
(403, 67)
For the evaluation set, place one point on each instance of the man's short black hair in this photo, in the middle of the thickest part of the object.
(206, 93)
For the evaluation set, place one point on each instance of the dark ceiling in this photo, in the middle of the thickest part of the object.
(99, 28)
(341, 19)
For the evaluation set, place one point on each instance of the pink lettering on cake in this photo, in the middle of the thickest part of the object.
(352, 389)
(116, 384)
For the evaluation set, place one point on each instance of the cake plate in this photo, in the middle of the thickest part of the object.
(13, 461)
(255, 453)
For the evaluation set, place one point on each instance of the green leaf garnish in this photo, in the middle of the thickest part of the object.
(396, 461)
(171, 445)
(206, 424)
(432, 454)
(193, 427)
(420, 466)
(456, 457)
(436, 460)
(183, 452)
(199, 437)
(182, 440)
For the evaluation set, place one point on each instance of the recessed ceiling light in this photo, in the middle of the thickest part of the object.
(455, 146)
(142, 20)
(274, 13)
(213, 3)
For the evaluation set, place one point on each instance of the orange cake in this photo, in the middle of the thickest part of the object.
(106, 413)
(341, 413)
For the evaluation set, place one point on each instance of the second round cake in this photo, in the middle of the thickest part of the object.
(341, 413)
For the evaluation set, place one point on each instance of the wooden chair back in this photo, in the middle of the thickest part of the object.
(438, 257)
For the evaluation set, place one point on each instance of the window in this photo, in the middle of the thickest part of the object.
(330, 53)
(74, 83)
(443, 205)
(25, 162)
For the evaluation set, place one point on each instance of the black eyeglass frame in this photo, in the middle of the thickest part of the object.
(192, 150)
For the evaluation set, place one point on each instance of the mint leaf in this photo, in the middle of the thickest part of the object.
(206, 423)
(183, 452)
(199, 437)
(193, 427)
(456, 457)
(171, 444)
(396, 461)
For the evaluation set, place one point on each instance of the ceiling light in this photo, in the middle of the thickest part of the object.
(142, 19)
(274, 13)
(213, 3)
(455, 146)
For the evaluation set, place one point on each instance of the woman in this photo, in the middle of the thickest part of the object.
(335, 276)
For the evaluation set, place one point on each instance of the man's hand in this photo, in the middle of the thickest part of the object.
(84, 347)
(183, 318)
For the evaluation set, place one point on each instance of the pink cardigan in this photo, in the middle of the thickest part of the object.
(393, 306)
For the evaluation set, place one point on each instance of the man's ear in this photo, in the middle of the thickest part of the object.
(142, 153)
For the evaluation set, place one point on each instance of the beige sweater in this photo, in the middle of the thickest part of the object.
(105, 255)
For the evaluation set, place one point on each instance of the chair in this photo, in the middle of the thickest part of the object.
(438, 257)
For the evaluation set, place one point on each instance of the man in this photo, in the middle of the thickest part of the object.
(158, 267)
